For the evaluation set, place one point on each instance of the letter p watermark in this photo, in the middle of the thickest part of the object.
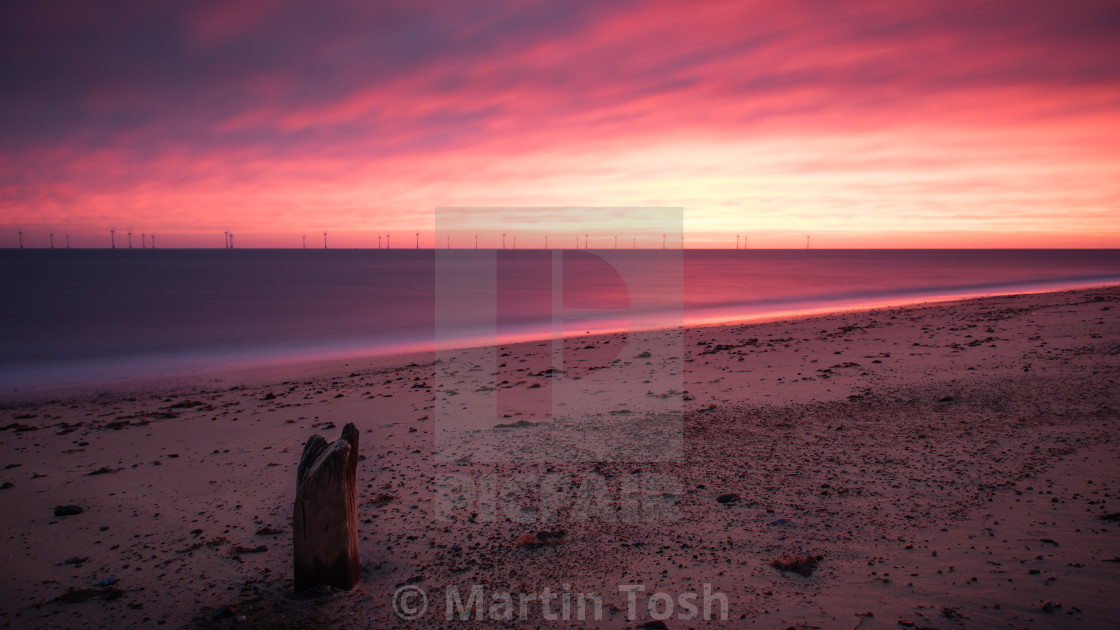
(559, 334)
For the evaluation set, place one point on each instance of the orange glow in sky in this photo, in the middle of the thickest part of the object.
(866, 124)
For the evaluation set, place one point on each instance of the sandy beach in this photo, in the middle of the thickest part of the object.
(946, 465)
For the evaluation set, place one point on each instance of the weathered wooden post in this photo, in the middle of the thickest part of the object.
(326, 513)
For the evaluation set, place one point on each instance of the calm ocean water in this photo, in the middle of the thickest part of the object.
(77, 315)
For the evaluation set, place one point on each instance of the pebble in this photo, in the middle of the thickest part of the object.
(68, 510)
(799, 564)
(540, 539)
(222, 612)
(728, 497)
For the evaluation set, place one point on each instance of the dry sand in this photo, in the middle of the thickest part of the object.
(951, 465)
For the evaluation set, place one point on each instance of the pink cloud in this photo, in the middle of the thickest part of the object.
(919, 118)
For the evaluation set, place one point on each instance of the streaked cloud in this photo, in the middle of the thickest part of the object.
(271, 118)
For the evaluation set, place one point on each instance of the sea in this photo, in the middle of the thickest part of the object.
(80, 316)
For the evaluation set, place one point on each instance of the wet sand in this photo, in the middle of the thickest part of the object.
(945, 465)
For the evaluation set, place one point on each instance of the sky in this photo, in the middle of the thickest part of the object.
(866, 124)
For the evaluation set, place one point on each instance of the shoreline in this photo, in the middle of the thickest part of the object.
(926, 453)
(260, 372)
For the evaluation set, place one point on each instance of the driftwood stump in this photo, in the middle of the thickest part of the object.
(326, 512)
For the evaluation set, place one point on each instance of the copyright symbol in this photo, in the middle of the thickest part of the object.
(410, 602)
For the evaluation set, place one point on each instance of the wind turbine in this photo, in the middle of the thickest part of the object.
(21, 239)
(324, 240)
(226, 239)
(304, 237)
(388, 245)
(586, 241)
(616, 241)
(143, 241)
(112, 239)
(736, 241)
(231, 240)
(807, 236)
(130, 239)
(52, 240)
(68, 241)
(417, 240)
(476, 241)
(503, 240)
(153, 241)
(546, 241)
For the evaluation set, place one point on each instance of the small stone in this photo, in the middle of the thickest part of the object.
(1050, 606)
(798, 564)
(728, 497)
(107, 581)
(6, 485)
(540, 539)
(68, 510)
(222, 612)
